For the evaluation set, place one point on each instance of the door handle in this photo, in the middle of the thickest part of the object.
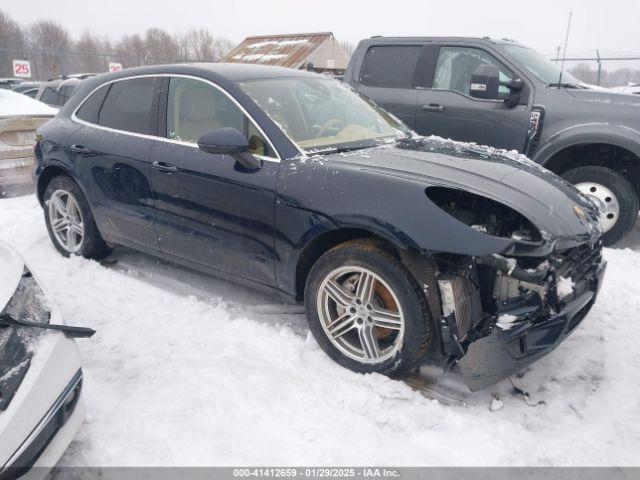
(81, 150)
(433, 107)
(164, 167)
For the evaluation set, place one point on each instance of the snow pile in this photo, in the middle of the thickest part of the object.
(189, 370)
(259, 57)
(277, 43)
(564, 287)
(14, 104)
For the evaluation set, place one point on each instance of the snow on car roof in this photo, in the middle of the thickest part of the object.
(14, 104)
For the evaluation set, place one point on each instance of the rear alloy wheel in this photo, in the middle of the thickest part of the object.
(366, 311)
(614, 195)
(70, 221)
(66, 221)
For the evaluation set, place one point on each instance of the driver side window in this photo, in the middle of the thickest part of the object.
(456, 65)
(195, 108)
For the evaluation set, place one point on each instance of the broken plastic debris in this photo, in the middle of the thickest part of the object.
(506, 321)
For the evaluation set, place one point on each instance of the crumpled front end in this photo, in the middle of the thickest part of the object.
(499, 314)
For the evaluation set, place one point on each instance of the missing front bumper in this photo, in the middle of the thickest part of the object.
(502, 353)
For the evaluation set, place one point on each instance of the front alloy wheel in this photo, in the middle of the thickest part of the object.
(366, 310)
(360, 314)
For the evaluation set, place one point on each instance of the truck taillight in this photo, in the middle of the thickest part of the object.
(535, 129)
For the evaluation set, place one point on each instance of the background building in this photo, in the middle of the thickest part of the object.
(319, 52)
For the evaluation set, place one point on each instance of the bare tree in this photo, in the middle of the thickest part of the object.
(90, 54)
(182, 43)
(347, 47)
(12, 44)
(160, 47)
(221, 46)
(53, 52)
(130, 51)
(201, 45)
(48, 45)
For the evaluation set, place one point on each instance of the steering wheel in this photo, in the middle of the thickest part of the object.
(333, 123)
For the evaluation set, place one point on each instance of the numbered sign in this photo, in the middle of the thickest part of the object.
(115, 67)
(22, 68)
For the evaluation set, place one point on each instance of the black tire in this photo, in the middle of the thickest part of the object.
(92, 245)
(418, 327)
(621, 188)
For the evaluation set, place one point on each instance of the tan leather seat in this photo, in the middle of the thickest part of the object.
(197, 113)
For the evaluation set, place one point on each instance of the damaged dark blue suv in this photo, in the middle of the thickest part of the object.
(401, 247)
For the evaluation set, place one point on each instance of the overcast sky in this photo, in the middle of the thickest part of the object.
(610, 25)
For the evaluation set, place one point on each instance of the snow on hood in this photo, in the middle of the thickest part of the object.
(11, 267)
(14, 104)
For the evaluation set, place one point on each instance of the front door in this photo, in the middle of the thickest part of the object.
(447, 110)
(210, 211)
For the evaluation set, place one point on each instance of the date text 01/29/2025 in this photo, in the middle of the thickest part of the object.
(316, 472)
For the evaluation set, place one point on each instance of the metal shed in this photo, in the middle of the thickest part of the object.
(319, 52)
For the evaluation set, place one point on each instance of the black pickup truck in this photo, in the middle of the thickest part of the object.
(502, 94)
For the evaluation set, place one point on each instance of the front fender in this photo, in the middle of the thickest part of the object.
(600, 132)
(315, 199)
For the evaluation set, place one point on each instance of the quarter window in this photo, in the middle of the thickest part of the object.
(91, 107)
(129, 106)
(195, 108)
(456, 65)
(390, 66)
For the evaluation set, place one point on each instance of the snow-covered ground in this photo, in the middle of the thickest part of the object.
(189, 370)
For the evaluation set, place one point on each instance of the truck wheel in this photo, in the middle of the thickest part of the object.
(615, 196)
(70, 222)
(366, 311)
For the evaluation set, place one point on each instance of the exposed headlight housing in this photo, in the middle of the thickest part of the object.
(484, 214)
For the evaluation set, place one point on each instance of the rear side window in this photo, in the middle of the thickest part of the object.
(129, 106)
(65, 93)
(390, 66)
(50, 96)
(91, 107)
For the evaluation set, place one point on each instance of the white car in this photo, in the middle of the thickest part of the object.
(20, 116)
(40, 374)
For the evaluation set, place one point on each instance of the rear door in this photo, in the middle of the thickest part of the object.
(446, 109)
(388, 78)
(210, 210)
(111, 158)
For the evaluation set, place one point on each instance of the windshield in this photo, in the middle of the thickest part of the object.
(541, 67)
(323, 114)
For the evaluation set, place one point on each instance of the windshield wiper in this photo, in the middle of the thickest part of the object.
(73, 332)
(565, 85)
(351, 149)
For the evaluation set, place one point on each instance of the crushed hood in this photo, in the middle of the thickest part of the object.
(542, 197)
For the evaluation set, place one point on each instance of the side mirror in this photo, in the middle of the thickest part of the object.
(516, 87)
(485, 82)
(229, 141)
